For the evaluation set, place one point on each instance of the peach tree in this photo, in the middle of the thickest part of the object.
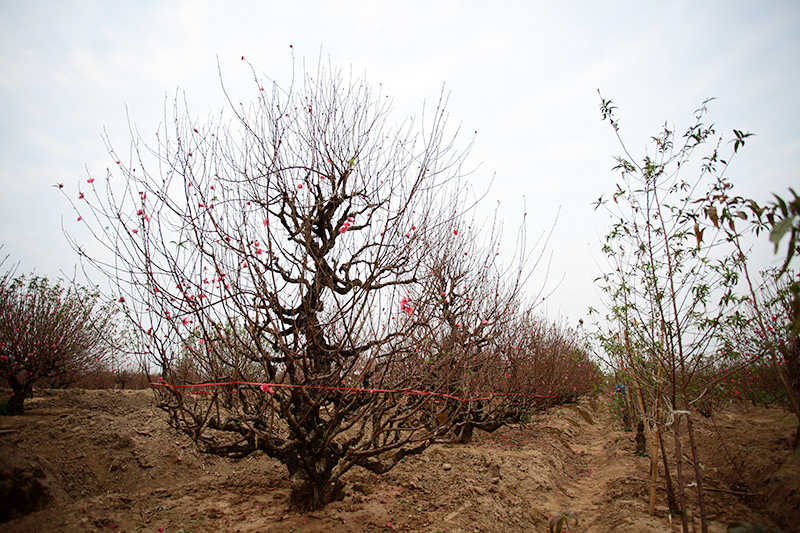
(273, 263)
(50, 331)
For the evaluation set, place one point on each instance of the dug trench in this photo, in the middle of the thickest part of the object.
(107, 461)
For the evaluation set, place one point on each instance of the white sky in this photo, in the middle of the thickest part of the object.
(524, 74)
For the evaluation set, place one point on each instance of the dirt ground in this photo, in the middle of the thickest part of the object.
(106, 460)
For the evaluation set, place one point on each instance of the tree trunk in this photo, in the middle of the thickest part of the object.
(653, 469)
(307, 494)
(679, 468)
(15, 404)
(464, 433)
(673, 503)
(698, 472)
(641, 442)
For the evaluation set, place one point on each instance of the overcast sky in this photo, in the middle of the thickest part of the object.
(524, 74)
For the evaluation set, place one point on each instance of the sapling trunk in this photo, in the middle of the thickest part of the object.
(652, 449)
(653, 472)
(698, 472)
(679, 471)
(673, 505)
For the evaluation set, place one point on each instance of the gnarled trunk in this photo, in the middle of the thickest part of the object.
(312, 492)
(463, 434)
(19, 391)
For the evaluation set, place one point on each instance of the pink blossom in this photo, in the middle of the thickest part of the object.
(267, 389)
(405, 305)
(90, 180)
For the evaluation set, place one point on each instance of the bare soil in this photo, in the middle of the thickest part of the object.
(106, 460)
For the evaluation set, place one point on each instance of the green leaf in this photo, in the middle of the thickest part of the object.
(781, 204)
(780, 229)
(557, 524)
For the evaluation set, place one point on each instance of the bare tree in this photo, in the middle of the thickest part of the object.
(280, 256)
(475, 301)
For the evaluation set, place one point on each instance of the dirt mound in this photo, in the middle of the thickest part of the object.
(21, 488)
(106, 460)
